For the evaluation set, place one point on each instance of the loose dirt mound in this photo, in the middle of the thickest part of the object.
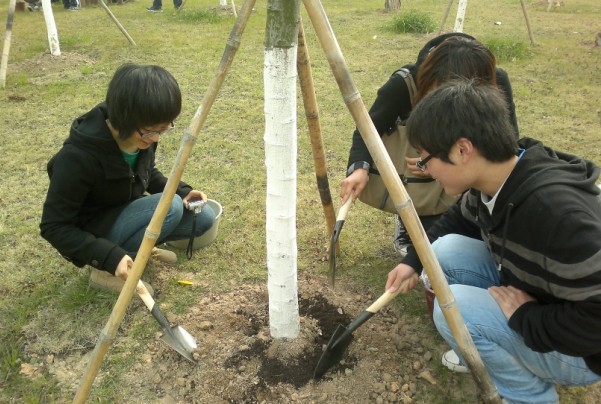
(388, 359)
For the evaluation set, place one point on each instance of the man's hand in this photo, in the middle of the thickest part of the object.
(509, 298)
(398, 275)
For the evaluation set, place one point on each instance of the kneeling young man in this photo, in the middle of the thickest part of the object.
(521, 251)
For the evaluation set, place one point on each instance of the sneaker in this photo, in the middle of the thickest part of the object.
(74, 8)
(154, 10)
(401, 237)
(451, 361)
(166, 256)
(105, 281)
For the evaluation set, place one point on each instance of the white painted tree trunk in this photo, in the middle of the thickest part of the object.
(281, 160)
(223, 3)
(51, 28)
(461, 7)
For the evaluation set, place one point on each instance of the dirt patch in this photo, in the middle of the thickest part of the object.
(239, 362)
(391, 359)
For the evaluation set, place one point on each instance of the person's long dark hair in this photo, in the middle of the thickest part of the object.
(455, 57)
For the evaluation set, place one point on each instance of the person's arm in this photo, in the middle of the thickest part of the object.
(71, 180)
(569, 320)
(391, 102)
(505, 86)
(458, 219)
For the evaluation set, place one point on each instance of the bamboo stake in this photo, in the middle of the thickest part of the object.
(527, 22)
(7, 39)
(446, 14)
(402, 201)
(153, 230)
(108, 11)
(234, 9)
(312, 113)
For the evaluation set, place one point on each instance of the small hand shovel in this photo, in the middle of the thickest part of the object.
(176, 337)
(335, 235)
(343, 336)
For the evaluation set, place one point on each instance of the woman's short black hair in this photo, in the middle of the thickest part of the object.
(139, 96)
(463, 109)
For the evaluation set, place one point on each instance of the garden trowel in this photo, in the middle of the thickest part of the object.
(343, 336)
(176, 337)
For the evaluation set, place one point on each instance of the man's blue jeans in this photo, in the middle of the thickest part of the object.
(520, 374)
(128, 230)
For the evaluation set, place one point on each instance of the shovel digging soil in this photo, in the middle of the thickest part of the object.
(335, 236)
(176, 337)
(343, 336)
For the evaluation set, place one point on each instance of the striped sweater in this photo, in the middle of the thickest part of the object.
(545, 233)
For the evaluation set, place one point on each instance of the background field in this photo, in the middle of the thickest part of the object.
(44, 300)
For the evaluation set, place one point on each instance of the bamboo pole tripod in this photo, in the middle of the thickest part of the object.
(376, 148)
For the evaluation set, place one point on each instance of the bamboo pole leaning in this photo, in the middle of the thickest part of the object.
(153, 230)
(402, 201)
(312, 113)
(108, 11)
(7, 39)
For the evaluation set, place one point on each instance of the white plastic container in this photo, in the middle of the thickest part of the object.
(208, 237)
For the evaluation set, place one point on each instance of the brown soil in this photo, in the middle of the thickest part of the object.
(386, 361)
(389, 360)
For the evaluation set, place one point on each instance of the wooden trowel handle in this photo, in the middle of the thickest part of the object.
(387, 297)
(144, 295)
(345, 208)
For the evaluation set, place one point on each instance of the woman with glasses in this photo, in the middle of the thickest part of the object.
(444, 57)
(104, 185)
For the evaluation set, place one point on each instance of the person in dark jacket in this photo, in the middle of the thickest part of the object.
(442, 58)
(521, 251)
(104, 186)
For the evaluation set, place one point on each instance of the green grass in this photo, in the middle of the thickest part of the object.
(44, 93)
(413, 21)
(507, 49)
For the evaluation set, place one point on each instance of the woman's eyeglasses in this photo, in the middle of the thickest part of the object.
(421, 164)
(150, 133)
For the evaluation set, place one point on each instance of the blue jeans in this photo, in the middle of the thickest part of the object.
(520, 374)
(130, 226)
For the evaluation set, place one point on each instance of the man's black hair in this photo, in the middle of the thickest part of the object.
(463, 109)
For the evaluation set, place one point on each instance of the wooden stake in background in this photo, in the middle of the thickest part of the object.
(108, 11)
(7, 39)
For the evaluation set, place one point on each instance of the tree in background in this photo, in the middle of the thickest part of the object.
(280, 75)
(392, 5)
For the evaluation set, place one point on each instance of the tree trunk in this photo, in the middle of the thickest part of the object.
(222, 3)
(392, 5)
(280, 160)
